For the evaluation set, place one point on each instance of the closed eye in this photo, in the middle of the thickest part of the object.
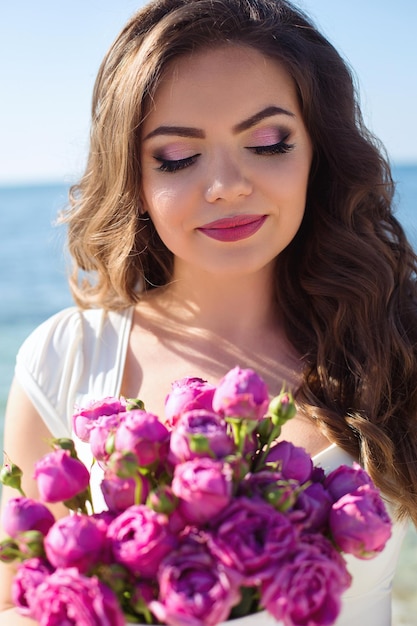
(277, 148)
(174, 165)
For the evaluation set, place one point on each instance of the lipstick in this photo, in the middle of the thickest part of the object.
(233, 228)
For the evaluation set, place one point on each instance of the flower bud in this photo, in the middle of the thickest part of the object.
(60, 477)
(134, 403)
(241, 394)
(11, 476)
(282, 408)
(9, 550)
(22, 514)
(114, 576)
(123, 464)
(162, 500)
(264, 429)
(31, 544)
(282, 496)
(64, 443)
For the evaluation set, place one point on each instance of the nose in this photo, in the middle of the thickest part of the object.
(225, 179)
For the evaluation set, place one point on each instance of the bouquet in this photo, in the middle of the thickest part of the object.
(208, 517)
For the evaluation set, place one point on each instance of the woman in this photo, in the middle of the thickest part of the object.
(234, 210)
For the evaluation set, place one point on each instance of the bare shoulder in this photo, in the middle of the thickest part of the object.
(26, 440)
(10, 617)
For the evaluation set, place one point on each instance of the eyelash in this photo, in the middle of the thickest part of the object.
(282, 147)
(175, 166)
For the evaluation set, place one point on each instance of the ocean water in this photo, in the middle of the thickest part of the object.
(33, 286)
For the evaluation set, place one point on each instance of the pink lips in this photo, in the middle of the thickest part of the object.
(233, 228)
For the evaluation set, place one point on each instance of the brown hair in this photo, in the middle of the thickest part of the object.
(350, 265)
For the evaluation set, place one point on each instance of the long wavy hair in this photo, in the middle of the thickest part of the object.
(346, 284)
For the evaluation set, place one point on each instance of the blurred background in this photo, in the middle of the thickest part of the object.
(50, 53)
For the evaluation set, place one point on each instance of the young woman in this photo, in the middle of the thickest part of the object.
(234, 210)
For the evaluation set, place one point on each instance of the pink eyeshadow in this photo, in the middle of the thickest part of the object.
(266, 136)
(174, 152)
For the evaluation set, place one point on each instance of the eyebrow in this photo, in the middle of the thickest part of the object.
(197, 133)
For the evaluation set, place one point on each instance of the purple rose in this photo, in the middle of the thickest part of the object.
(250, 538)
(120, 493)
(140, 539)
(60, 477)
(312, 508)
(84, 419)
(292, 461)
(194, 588)
(142, 433)
(241, 394)
(104, 518)
(187, 393)
(318, 475)
(68, 597)
(360, 524)
(345, 480)
(199, 433)
(22, 514)
(203, 487)
(307, 587)
(100, 436)
(75, 541)
(30, 574)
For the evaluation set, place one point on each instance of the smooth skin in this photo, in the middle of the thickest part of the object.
(223, 139)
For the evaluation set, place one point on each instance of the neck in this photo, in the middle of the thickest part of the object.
(210, 324)
(223, 305)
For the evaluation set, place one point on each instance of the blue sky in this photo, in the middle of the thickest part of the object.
(50, 51)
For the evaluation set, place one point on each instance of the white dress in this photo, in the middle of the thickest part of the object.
(75, 357)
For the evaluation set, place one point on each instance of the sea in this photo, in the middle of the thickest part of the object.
(33, 286)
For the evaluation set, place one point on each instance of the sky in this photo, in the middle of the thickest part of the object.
(50, 51)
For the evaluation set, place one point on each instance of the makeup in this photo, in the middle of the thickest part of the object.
(233, 228)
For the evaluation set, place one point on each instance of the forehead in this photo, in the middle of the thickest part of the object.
(229, 79)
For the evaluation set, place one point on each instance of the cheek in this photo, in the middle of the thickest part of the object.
(163, 188)
(293, 182)
(158, 197)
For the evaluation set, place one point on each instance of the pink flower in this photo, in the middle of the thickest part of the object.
(360, 524)
(29, 576)
(292, 461)
(345, 479)
(120, 493)
(101, 437)
(21, 514)
(140, 539)
(203, 487)
(75, 541)
(142, 433)
(199, 433)
(100, 434)
(186, 394)
(68, 597)
(312, 508)
(85, 419)
(307, 587)
(250, 538)
(60, 477)
(241, 394)
(194, 588)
